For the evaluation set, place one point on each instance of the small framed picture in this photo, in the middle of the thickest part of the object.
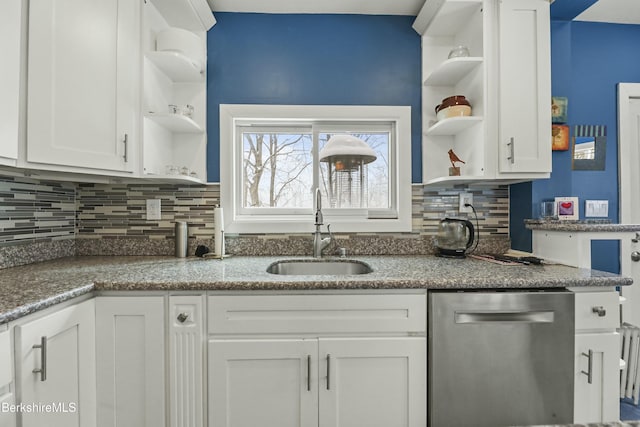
(567, 208)
(560, 137)
(559, 109)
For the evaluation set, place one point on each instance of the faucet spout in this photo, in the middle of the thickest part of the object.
(319, 243)
(319, 218)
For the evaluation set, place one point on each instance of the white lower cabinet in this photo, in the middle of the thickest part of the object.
(263, 382)
(597, 386)
(353, 377)
(597, 357)
(55, 368)
(130, 360)
(373, 382)
(310, 382)
(7, 385)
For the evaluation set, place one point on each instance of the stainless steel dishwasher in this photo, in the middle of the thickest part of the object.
(500, 358)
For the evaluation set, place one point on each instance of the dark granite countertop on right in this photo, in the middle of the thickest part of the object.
(579, 226)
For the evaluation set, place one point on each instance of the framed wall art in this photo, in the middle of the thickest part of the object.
(567, 208)
(559, 137)
(559, 109)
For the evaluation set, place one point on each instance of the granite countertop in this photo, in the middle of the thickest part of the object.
(29, 288)
(584, 226)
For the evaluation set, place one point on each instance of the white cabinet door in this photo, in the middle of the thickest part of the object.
(10, 72)
(373, 382)
(7, 384)
(525, 86)
(130, 358)
(597, 400)
(84, 61)
(266, 383)
(65, 365)
(186, 364)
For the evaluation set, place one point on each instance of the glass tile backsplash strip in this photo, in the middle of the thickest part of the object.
(36, 211)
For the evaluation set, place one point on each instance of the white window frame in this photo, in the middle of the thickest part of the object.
(233, 115)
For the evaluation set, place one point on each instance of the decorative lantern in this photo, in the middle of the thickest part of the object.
(347, 158)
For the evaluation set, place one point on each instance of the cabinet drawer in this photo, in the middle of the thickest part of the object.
(588, 304)
(316, 313)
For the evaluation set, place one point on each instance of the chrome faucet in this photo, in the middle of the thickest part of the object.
(318, 242)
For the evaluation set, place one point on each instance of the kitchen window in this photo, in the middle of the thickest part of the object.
(271, 165)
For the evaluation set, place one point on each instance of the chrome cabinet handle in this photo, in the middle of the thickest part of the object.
(182, 317)
(635, 256)
(511, 145)
(328, 372)
(43, 359)
(308, 373)
(600, 310)
(589, 372)
(126, 148)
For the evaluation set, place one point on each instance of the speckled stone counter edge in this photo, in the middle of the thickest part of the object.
(577, 226)
(46, 302)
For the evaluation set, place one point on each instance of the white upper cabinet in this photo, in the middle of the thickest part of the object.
(506, 78)
(525, 86)
(83, 84)
(101, 87)
(11, 24)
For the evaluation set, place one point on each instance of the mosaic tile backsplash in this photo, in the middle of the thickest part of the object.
(110, 219)
(36, 211)
(37, 220)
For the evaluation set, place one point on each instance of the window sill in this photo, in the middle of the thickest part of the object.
(255, 225)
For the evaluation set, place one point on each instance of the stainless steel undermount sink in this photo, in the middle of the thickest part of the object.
(319, 267)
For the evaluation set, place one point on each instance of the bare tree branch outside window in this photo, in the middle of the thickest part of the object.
(278, 169)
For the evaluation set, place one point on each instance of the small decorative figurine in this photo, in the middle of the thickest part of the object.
(454, 170)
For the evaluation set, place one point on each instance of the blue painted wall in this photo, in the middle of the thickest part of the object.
(312, 60)
(588, 61)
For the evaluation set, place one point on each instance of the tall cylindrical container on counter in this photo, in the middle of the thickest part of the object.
(218, 234)
(182, 239)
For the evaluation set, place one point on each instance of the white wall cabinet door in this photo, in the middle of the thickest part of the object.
(10, 76)
(373, 382)
(83, 83)
(525, 86)
(130, 358)
(68, 359)
(597, 401)
(266, 383)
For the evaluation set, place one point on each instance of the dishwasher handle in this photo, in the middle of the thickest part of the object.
(462, 317)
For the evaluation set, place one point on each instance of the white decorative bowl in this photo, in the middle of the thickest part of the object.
(182, 41)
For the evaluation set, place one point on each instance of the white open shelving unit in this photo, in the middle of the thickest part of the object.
(173, 77)
(455, 23)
